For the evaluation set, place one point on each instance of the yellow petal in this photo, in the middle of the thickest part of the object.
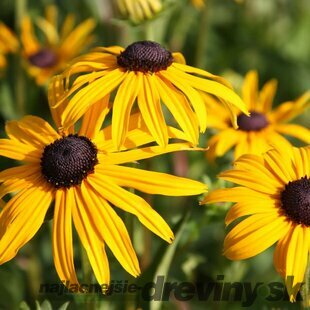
(240, 209)
(266, 96)
(146, 152)
(133, 204)
(21, 218)
(122, 106)
(254, 235)
(94, 118)
(296, 131)
(220, 143)
(236, 194)
(189, 69)
(62, 236)
(111, 229)
(288, 110)
(89, 95)
(179, 108)
(252, 180)
(250, 90)
(28, 38)
(193, 96)
(19, 151)
(296, 260)
(20, 180)
(150, 107)
(93, 246)
(75, 41)
(32, 130)
(151, 182)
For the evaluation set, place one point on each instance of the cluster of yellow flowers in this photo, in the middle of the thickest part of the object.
(80, 166)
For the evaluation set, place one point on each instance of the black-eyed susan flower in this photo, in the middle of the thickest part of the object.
(8, 44)
(83, 174)
(148, 74)
(138, 11)
(198, 3)
(275, 198)
(44, 58)
(264, 128)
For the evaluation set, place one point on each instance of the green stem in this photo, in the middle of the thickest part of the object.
(20, 10)
(305, 291)
(149, 31)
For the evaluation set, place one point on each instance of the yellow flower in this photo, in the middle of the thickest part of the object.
(275, 196)
(145, 73)
(198, 3)
(263, 129)
(8, 44)
(139, 10)
(84, 174)
(44, 59)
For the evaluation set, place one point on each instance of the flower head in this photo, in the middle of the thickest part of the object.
(275, 198)
(263, 129)
(44, 59)
(84, 174)
(146, 73)
(138, 11)
(198, 3)
(8, 44)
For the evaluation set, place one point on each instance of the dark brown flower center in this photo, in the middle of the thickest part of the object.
(67, 161)
(295, 200)
(44, 58)
(145, 56)
(255, 122)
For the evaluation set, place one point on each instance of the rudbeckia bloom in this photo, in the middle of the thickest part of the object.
(8, 44)
(138, 11)
(83, 174)
(274, 196)
(263, 129)
(198, 3)
(46, 58)
(149, 73)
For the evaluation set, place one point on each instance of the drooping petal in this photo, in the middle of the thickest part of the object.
(122, 106)
(193, 96)
(62, 236)
(134, 204)
(179, 108)
(94, 118)
(110, 228)
(296, 260)
(93, 246)
(150, 107)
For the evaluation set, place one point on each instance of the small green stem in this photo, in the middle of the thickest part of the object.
(305, 291)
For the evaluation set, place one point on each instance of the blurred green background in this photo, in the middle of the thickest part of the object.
(225, 37)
